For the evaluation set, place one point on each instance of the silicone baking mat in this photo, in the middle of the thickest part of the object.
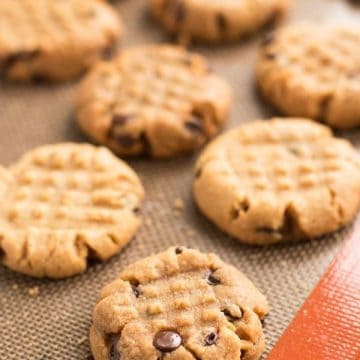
(46, 320)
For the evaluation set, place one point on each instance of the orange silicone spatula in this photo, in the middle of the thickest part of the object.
(327, 327)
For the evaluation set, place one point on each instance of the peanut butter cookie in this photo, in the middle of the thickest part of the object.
(159, 100)
(182, 305)
(63, 204)
(54, 40)
(278, 180)
(313, 70)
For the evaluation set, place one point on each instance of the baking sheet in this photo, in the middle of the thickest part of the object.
(46, 320)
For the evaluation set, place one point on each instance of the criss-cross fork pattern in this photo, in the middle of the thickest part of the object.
(70, 188)
(153, 82)
(29, 25)
(291, 167)
(196, 299)
(62, 203)
(337, 58)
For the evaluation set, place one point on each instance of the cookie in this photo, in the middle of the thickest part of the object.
(313, 71)
(278, 180)
(159, 100)
(182, 305)
(54, 40)
(63, 205)
(217, 21)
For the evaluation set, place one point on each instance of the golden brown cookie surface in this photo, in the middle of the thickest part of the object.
(313, 70)
(160, 100)
(179, 304)
(278, 180)
(54, 40)
(64, 203)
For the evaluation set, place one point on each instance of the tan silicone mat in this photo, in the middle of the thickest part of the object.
(53, 323)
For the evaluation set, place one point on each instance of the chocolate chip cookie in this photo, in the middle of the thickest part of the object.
(159, 100)
(313, 70)
(217, 20)
(64, 204)
(54, 40)
(278, 180)
(179, 304)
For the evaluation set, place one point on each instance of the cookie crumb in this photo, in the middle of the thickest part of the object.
(15, 286)
(82, 340)
(178, 204)
(34, 291)
(284, 263)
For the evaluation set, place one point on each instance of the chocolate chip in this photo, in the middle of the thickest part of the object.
(288, 227)
(221, 22)
(167, 341)
(268, 39)
(135, 286)
(210, 339)
(39, 78)
(179, 11)
(230, 316)
(12, 59)
(267, 230)
(113, 350)
(136, 290)
(198, 173)
(234, 213)
(136, 210)
(124, 140)
(270, 56)
(273, 19)
(145, 143)
(211, 279)
(194, 124)
(245, 205)
(93, 258)
(236, 209)
(178, 251)
(325, 105)
(107, 52)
